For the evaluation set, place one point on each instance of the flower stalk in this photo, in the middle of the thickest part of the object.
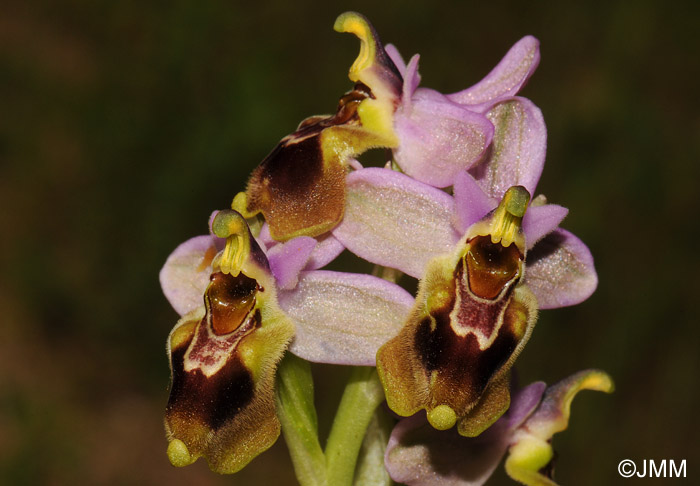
(362, 396)
(297, 414)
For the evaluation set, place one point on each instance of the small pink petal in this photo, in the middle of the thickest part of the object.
(396, 58)
(265, 238)
(327, 249)
(411, 81)
(539, 221)
(523, 402)
(471, 202)
(288, 259)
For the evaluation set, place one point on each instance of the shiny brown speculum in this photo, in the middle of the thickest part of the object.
(490, 266)
(229, 300)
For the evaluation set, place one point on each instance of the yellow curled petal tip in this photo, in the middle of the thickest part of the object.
(596, 380)
(240, 205)
(354, 23)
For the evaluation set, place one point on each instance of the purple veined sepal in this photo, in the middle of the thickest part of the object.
(344, 318)
(300, 186)
(420, 455)
(472, 313)
(223, 356)
(519, 147)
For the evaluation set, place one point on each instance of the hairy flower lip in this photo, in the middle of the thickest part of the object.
(223, 358)
(467, 316)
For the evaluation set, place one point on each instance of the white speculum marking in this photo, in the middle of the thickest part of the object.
(462, 329)
(208, 352)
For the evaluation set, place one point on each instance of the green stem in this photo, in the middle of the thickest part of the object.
(296, 412)
(370, 469)
(362, 395)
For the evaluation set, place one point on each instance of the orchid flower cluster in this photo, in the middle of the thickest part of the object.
(452, 208)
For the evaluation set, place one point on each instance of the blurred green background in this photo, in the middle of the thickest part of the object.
(124, 124)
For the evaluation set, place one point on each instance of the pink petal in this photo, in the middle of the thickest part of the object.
(523, 402)
(327, 249)
(506, 79)
(410, 82)
(265, 238)
(539, 221)
(471, 202)
(560, 270)
(344, 318)
(396, 58)
(439, 138)
(395, 221)
(288, 259)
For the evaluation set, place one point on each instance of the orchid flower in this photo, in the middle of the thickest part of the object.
(471, 319)
(300, 186)
(240, 304)
(223, 356)
(419, 455)
(477, 304)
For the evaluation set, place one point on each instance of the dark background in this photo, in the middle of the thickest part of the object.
(124, 124)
